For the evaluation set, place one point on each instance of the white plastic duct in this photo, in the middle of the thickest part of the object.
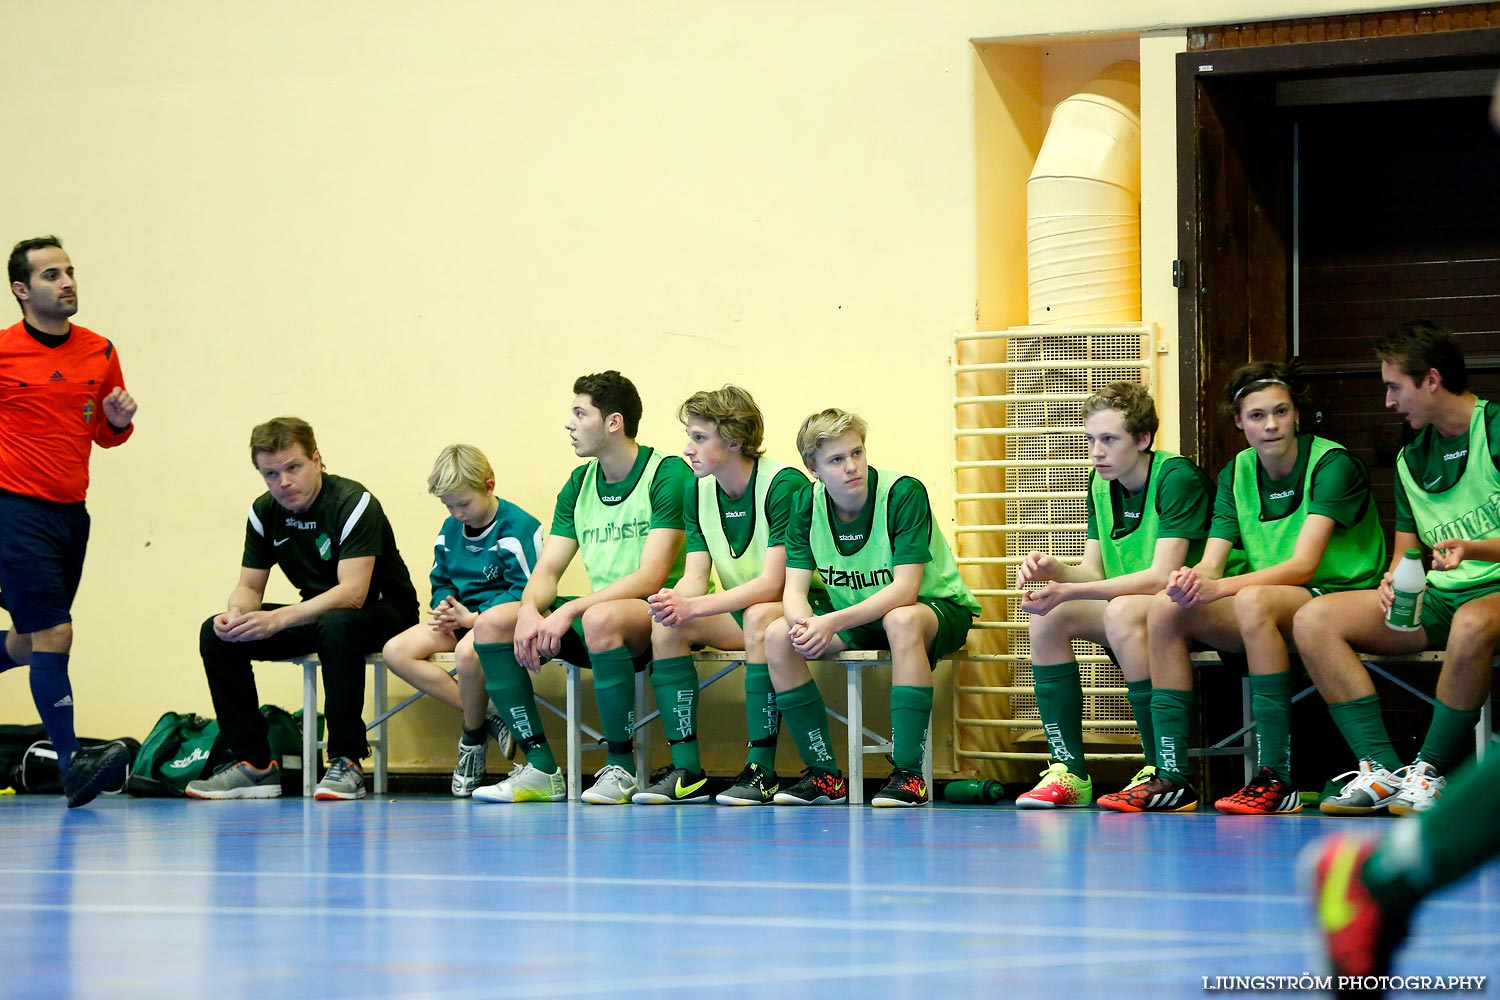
(1083, 206)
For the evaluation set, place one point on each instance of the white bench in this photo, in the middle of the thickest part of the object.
(861, 741)
(1241, 742)
(375, 732)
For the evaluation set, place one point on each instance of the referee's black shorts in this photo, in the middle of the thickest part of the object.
(42, 545)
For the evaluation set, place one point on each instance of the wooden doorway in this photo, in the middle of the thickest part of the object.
(1247, 120)
(1329, 190)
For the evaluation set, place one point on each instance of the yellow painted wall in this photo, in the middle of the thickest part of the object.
(412, 228)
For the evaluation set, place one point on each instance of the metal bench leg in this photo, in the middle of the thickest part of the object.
(575, 735)
(382, 761)
(1247, 717)
(856, 727)
(927, 757)
(641, 735)
(309, 725)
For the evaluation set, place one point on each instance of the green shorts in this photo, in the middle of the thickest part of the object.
(1439, 606)
(952, 632)
(576, 651)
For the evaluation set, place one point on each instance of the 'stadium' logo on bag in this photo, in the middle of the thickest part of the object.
(183, 763)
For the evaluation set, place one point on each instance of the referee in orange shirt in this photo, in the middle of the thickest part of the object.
(61, 392)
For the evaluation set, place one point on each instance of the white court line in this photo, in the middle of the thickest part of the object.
(1291, 897)
(695, 920)
(777, 976)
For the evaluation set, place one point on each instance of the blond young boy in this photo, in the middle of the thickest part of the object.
(892, 584)
(481, 559)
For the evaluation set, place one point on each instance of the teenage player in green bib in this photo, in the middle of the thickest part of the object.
(1148, 514)
(892, 584)
(622, 512)
(1365, 894)
(1448, 496)
(1299, 507)
(482, 558)
(735, 513)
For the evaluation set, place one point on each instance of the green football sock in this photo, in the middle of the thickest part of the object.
(614, 688)
(911, 718)
(1059, 699)
(1450, 738)
(1442, 845)
(1271, 707)
(1171, 718)
(676, 682)
(1138, 693)
(509, 686)
(762, 720)
(807, 717)
(1360, 722)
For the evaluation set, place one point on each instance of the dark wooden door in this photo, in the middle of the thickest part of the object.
(1398, 219)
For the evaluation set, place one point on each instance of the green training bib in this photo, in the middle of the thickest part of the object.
(1131, 547)
(611, 537)
(1469, 510)
(1354, 558)
(852, 578)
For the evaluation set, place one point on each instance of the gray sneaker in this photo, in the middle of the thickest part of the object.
(671, 786)
(526, 784)
(501, 734)
(755, 786)
(238, 781)
(613, 786)
(344, 780)
(468, 773)
(1368, 790)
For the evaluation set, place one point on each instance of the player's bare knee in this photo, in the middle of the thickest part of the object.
(1123, 619)
(777, 639)
(394, 651)
(1164, 615)
(57, 639)
(758, 617)
(668, 642)
(1043, 628)
(497, 624)
(606, 626)
(18, 647)
(1252, 607)
(1474, 633)
(1314, 623)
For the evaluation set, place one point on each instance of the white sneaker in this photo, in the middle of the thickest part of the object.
(1421, 787)
(613, 786)
(526, 784)
(468, 773)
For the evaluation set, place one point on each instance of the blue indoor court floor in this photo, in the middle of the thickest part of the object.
(433, 897)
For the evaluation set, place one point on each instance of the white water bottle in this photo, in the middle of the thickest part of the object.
(1409, 581)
